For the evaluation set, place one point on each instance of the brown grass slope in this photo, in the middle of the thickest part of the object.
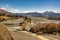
(4, 33)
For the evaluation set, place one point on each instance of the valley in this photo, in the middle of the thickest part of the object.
(29, 27)
(18, 34)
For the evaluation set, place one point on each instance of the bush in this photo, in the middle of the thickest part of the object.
(45, 28)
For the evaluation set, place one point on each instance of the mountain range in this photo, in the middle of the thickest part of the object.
(46, 14)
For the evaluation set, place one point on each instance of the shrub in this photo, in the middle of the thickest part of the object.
(49, 28)
(45, 28)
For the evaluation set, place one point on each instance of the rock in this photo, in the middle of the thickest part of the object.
(39, 33)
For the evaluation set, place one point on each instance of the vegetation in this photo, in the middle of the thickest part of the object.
(4, 33)
(49, 28)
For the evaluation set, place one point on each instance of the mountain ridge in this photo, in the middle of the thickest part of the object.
(46, 14)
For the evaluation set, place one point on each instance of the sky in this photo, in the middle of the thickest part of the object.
(18, 6)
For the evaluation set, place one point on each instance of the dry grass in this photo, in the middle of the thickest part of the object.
(4, 33)
(46, 28)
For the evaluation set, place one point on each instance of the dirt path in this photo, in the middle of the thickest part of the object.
(23, 36)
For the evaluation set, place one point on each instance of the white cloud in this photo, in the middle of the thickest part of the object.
(3, 8)
(28, 11)
(14, 10)
(8, 8)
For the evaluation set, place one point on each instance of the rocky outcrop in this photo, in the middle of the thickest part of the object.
(4, 33)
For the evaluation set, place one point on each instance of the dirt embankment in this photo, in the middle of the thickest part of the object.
(4, 33)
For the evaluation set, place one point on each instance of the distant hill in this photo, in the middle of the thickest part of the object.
(46, 14)
(34, 14)
(51, 15)
(5, 13)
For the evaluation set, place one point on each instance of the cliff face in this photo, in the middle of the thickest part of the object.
(4, 33)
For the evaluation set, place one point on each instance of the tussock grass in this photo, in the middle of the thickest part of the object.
(4, 33)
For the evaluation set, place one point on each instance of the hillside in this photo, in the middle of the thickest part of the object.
(4, 33)
(5, 15)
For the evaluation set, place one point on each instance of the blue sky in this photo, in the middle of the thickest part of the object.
(30, 5)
